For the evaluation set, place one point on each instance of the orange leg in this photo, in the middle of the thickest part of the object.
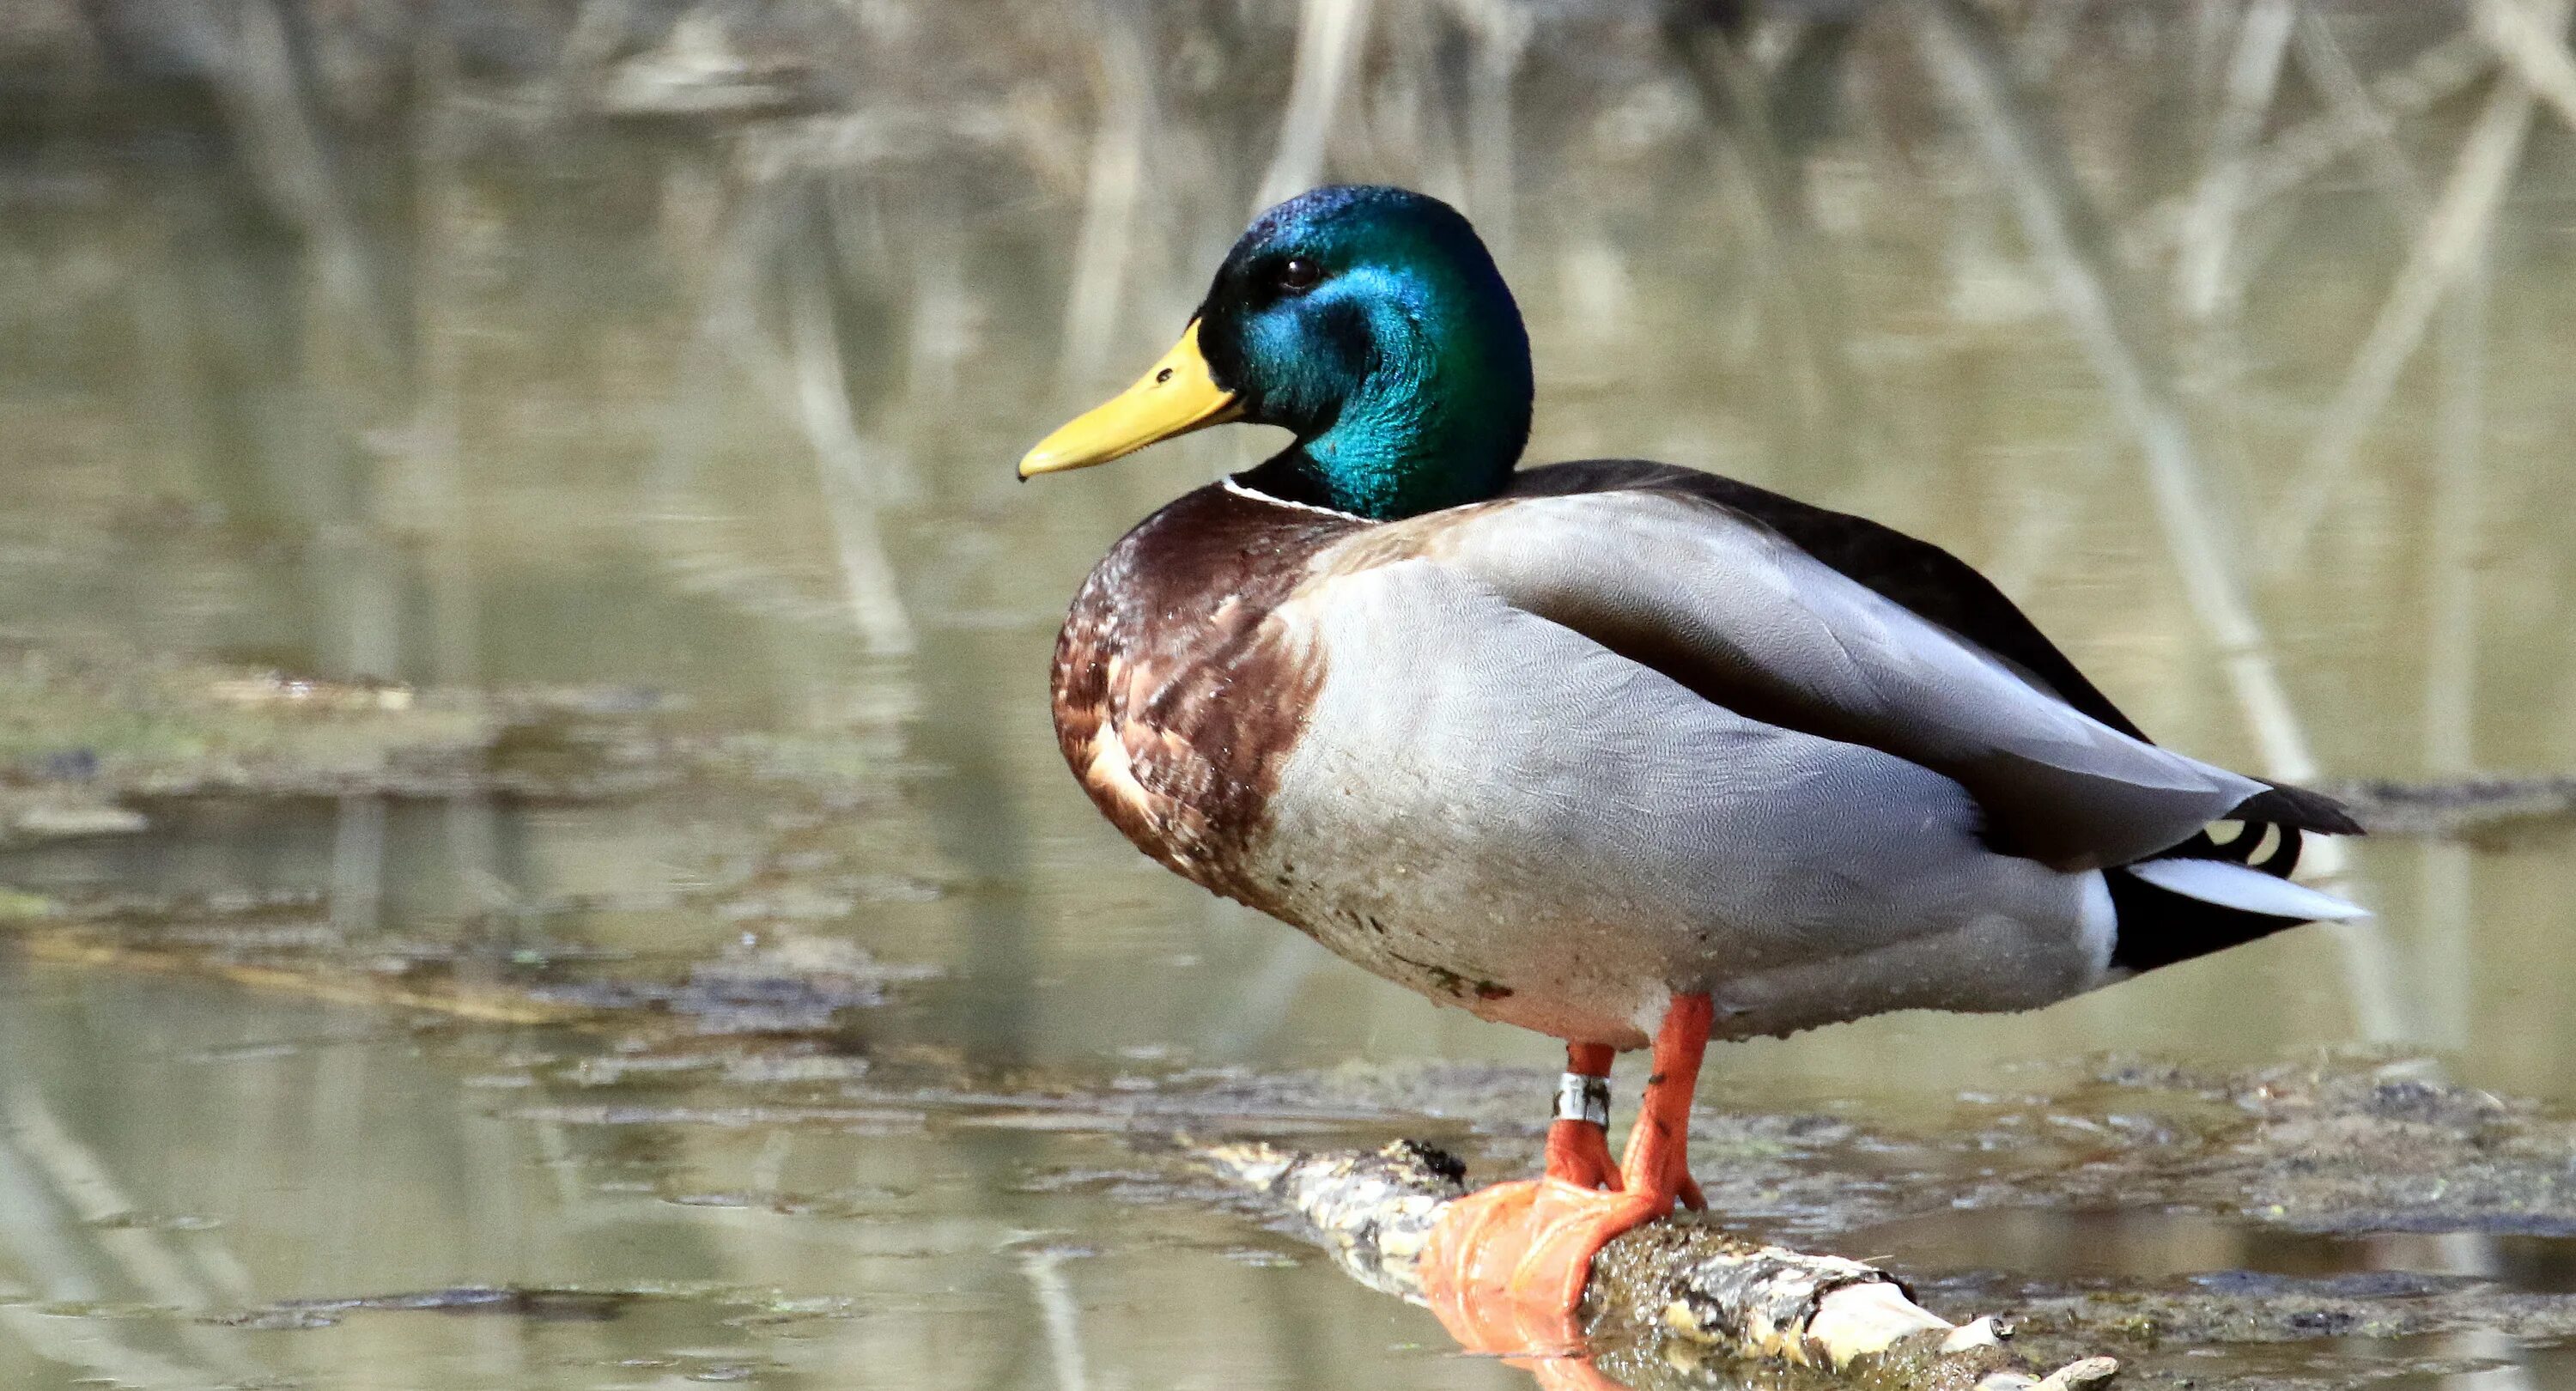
(1659, 1143)
(1578, 1148)
(1505, 1267)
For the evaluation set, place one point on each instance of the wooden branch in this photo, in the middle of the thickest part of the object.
(1666, 1282)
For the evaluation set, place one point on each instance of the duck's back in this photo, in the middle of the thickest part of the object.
(1908, 571)
(1924, 580)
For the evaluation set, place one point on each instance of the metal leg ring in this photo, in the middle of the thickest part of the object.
(1580, 1097)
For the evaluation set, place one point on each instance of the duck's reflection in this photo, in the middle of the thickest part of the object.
(1567, 1374)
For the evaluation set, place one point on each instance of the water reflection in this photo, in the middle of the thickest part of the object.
(198, 1197)
(655, 348)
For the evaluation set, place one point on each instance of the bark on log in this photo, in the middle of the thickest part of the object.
(1667, 1282)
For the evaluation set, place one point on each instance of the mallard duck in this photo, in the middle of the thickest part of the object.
(1617, 751)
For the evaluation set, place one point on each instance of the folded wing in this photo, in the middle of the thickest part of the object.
(1748, 620)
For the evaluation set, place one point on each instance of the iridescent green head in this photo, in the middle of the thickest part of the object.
(1369, 322)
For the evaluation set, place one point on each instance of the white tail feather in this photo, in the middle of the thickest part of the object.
(2235, 886)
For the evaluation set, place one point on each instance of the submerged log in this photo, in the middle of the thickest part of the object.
(1674, 1282)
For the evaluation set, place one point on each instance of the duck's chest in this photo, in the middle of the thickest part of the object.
(1178, 695)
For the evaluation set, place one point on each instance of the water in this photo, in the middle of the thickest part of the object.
(287, 1152)
(701, 427)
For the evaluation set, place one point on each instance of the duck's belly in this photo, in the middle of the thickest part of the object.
(1499, 813)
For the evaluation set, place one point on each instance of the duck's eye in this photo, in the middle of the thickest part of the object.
(1299, 273)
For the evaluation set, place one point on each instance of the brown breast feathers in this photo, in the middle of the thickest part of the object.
(1175, 702)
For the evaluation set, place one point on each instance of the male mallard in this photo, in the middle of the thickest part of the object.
(1609, 749)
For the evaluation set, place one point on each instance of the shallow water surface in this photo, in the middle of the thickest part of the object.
(201, 1194)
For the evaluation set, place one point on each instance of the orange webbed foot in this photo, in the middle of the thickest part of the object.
(1505, 1268)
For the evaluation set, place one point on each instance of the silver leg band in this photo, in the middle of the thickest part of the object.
(1583, 1098)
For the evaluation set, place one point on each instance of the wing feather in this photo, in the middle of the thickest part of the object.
(1753, 622)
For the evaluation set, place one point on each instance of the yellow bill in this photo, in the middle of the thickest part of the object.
(1174, 397)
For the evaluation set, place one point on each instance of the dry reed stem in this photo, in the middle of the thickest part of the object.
(2446, 247)
(2209, 230)
(1329, 35)
(2314, 145)
(1959, 46)
(2329, 70)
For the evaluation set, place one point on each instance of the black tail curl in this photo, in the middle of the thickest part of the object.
(2158, 927)
(2297, 808)
(2269, 846)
